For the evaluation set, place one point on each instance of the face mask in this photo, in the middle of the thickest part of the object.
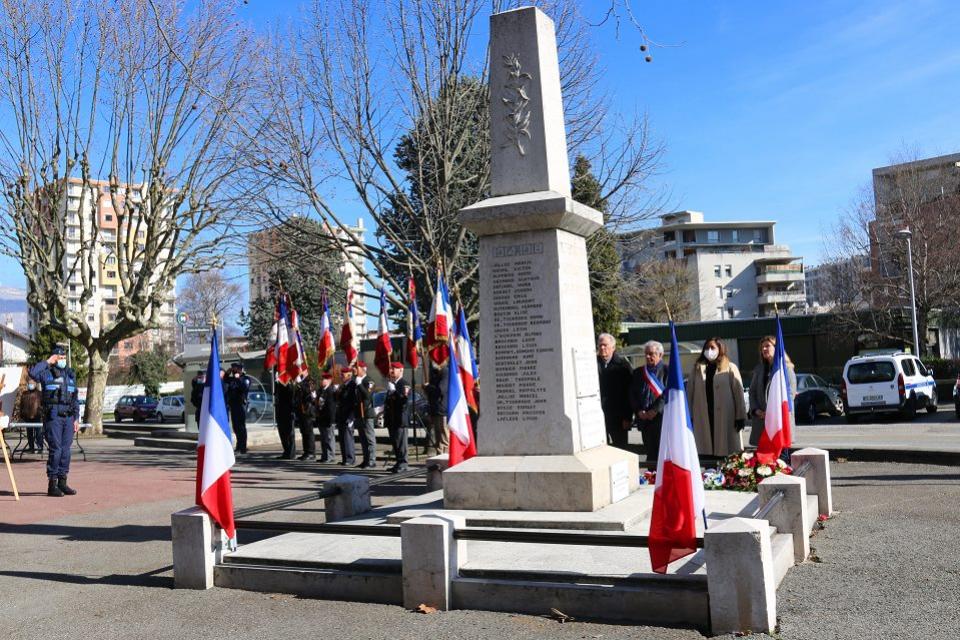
(31, 386)
(711, 354)
(62, 364)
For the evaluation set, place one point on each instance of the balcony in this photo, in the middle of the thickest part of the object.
(782, 297)
(773, 275)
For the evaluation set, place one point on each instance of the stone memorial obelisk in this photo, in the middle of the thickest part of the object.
(542, 444)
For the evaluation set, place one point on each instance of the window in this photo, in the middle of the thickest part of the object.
(111, 260)
(689, 236)
(90, 318)
(108, 217)
(111, 274)
(716, 271)
(728, 270)
(922, 370)
(669, 236)
(73, 288)
(713, 236)
(735, 235)
(719, 293)
(730, 292)
(908, 368)
(758, 235)
(111, 317)
(128, 344)
(866, 372)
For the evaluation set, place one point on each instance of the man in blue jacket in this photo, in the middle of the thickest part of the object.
(61, 417)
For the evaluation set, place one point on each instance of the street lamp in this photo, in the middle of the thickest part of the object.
(906, 233)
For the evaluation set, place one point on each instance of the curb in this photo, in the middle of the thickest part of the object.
(903, 456)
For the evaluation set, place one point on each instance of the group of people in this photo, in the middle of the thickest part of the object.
(634, 398)
(332, 412)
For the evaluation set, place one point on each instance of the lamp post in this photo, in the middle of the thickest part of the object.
(906, 233)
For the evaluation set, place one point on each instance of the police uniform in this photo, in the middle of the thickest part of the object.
(346, 404)
(327, 420)
(366, 417)
(196, 395)
(237, 392)
(61, 410)
(396, 418)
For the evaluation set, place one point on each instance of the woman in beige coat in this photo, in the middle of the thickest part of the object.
(717, 409)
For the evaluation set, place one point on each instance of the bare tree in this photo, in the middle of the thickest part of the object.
(876, 303)
(392, 99)
(660, 290)
(119, 156)
(208, 295)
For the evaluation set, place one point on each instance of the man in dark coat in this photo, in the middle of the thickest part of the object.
(238, 393)
(365, 415)
(61, 417)
(396, 415)
(647, 396)
(346, 405)
(438, 434)
(196, 393)
(616, 375)
(284, 404)
(327, 417)
(307, 401)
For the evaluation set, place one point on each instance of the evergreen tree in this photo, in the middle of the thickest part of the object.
(603, 260)
(46, 339)
(149, 368)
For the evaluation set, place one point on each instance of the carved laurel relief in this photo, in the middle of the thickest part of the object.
(515, 97)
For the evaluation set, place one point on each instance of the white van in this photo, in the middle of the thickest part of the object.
(894, 383)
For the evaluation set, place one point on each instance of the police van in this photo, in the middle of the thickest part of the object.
(889, 383)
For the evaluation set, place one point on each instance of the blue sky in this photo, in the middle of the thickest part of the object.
(770, 110)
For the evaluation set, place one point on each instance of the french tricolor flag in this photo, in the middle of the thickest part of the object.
(347, 341)
(215, 449)
(462, 444)
(440, 323)
(325, 346)
(678, 496)
(467, 368)
(776, 423)
(384, 349)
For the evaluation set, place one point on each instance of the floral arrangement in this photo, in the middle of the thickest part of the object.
(739, 472)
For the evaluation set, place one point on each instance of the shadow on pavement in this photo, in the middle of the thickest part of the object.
(123, 533)
(139, 580)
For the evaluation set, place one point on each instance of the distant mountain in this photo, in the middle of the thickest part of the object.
(13, 307)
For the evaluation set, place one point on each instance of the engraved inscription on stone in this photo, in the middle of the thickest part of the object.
(592, 431)
(519, 324)
(585, 372)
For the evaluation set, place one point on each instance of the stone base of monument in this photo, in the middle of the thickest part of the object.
(584, 481)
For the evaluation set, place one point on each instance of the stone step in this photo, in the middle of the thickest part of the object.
(781, 547)
(141, 427)
(329, 584)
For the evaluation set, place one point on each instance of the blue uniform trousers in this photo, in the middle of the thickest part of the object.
(59, 433)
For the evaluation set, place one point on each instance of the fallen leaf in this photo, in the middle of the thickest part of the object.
(560, 616)
(425, 608)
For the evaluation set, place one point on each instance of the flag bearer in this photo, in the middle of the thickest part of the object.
(61, 417)
(396, 415)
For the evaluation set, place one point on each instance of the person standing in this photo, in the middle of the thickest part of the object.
(61, 417)
(366, 415)
(327, 417)
(717, 408)
(616, 375)
(30, 405)
(647, 397)
(284, 404)
(238, 393)
(307, 400)
(760, 384)
(396, 415)
(196, 393)
(438, 437)
(345, 412)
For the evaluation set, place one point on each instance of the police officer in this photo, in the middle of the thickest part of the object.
(346, 404)
(307, 410)
(238, 390)
(327, 417)
(366, 417)
(61, 417)
(196, 393)
(396, 415)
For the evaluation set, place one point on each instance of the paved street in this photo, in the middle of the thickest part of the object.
(98, 565)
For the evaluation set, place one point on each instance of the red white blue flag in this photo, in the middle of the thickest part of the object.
(270, 358)
(462, 444)
(440, 323)
(215, 449)
(325, 346)
(414, 330)
(384, 349)
(678, 496)
(467, 363)
(776, 422)
(347, 339)
(296, 365)
(281, 347)
(653, 382)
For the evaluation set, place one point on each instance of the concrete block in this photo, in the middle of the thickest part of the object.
(740, 576)
(790, 514)
(436, 465)
(197, 546)
(431, 560)
(352, 499)
(818, 478)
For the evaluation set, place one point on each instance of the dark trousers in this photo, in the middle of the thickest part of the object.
(306, 434)
(288, 439)
(347, 455)
(616, 434)
(328, 441)
(651, 439)
(238, 418)
(35, 438)
(59, 433)
(368, 440)
(398, 439)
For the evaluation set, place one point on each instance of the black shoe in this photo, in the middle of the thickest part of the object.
(347, 464)
(306, 456)
(326, 460)
(368, 465)
(64, 487)
(53, 488)
(29, 450)
(398, 468)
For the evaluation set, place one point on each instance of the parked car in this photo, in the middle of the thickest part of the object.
(815, 396)
(170, 408)
(137, 408)
(259, 406)
(890, 383)
(422, 412)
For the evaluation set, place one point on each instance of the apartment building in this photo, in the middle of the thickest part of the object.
(83, 213)
(263, 248)
(739, 270)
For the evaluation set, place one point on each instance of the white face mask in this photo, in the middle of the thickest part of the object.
(711, 354)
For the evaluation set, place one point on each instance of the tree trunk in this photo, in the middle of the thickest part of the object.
(96, 385)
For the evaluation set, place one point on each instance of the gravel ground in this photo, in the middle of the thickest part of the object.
(888, 569)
